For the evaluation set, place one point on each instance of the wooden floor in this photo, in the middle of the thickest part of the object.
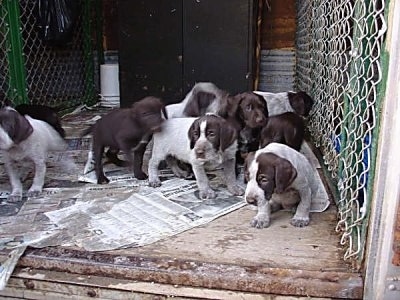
(224, 259)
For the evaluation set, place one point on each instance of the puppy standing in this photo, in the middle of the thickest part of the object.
(126, 129)
(205, 143)
(280, 170)
(20, 137)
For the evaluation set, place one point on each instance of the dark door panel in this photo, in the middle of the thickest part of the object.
(218, 43)
(150, 49)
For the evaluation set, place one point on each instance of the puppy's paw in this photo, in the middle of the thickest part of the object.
(236, 190)
(13, 198)
(155, 184)
(207, 194)
(103, 180)
(33, 193)
(140, 175)
(300, 221)
(260, 222)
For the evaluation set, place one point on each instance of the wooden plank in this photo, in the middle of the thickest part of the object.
(60, 285)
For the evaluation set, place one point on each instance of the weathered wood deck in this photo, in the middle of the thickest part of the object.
(224, 255)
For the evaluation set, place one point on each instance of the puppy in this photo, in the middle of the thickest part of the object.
(280, 170)
(44, 113)
(278, 103)
(205, 143)
(126, 129)
(25, 137)
(287, 128)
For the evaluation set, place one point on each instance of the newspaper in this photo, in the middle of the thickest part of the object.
(142, 218)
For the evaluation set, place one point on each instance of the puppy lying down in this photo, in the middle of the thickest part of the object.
(279, 169)
(206, 143)
(23, 137)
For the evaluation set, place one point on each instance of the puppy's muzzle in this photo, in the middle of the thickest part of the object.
(260, 120)
(251, 200)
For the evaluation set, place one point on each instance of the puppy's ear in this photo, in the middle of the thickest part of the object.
(285, 174)
(16, 125)
(308, 102)
(297, 103)
(198, 103)
(249, 158)
(192, 133)
(227, 134)
(301, 103)
(229, 106)
(264, 103)
(164, 111)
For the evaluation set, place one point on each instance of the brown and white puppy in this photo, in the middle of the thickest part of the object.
(287, 128)
(205, 143)
(126, 129)
(24, 137)
(278, 103)
(280, 170)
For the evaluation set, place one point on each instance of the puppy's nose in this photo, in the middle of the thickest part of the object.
(200, 152)
(251, 200)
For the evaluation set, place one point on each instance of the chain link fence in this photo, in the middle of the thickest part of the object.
(34, 71)
(338, 50)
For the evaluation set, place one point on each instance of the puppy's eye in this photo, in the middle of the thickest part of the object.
(249, 107)
(211, 133)
(263, 180)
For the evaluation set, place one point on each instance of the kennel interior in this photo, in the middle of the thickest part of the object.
(333, 50)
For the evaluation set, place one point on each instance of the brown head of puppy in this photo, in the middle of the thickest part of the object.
(269, 173)
(14, 128)
(249, 109)
(287, 128)
(301, 103)
(210, 134)
(146, 113)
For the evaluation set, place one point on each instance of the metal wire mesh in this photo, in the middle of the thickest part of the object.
(338, 48)
(60, 76)
(4, 49)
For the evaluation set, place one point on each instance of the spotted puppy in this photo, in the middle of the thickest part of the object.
(280, 170)
(205, 143)
(24, 137)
